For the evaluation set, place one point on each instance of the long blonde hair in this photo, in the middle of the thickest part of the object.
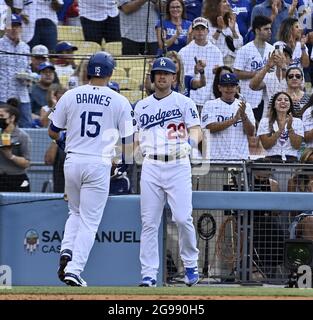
(180, 75)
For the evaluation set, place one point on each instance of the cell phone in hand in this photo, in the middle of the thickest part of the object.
(196, 60)
(277, 48)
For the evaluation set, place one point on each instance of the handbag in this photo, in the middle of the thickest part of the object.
(230, 43)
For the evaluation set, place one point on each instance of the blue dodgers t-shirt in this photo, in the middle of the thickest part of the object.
(170, 29)
(242, 9)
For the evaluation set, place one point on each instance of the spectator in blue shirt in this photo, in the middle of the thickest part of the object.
(193, 9)
(172, 33)
(242, 9)
(277, 11)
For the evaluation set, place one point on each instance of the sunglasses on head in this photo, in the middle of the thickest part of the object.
(297, 76)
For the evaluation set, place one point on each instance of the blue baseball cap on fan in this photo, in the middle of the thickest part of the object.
(65, 46)
(46, 65)
(228, 79)
(114, 86)
(16, 19)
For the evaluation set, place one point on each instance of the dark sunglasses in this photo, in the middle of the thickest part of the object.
(297, 76)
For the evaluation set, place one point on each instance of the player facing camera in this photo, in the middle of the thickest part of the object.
(100, 65)
(160, 65)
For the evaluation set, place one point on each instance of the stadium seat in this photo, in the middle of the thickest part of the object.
(132, 95)
(129, 64)
(85, 49)
(70, 33)
(127, 83)
(137, 73)
(119, 73)
(115, 48)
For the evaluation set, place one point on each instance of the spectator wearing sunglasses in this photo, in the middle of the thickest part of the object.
(295, 84)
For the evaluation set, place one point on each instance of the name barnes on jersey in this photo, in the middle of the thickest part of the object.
(93, 98)
(151, 120)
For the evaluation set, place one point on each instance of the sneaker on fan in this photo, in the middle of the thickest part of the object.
(191, 276)
(147, 282)
(74, 280)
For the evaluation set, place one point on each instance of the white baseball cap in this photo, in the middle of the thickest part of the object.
(40, 50)
(200, 21)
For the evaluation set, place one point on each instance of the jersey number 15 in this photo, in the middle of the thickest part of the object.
(90, 122)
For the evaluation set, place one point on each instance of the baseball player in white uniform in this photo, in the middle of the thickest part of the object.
(166, 120)
(94, 117)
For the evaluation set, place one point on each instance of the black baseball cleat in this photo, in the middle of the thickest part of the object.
(66, 256)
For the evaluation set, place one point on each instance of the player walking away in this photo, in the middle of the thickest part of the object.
(94, 116)
(164, 120)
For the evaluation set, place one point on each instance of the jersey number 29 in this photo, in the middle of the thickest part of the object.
(91, 122)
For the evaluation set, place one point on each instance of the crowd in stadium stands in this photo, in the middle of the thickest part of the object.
(265, 47)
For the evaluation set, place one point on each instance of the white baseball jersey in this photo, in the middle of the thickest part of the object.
(162, 124)
(89, 112)
(307, 120)
(248, 58)
(213, 58)
(283, 146)
(231, 143)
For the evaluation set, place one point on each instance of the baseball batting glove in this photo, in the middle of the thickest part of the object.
(181, 151)
(61, 141)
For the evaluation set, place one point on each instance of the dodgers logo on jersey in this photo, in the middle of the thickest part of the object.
(152, 120)
(97, 71)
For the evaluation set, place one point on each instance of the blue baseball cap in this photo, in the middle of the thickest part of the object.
(16, 19)
(114, 86)
(228, 79)
(46, 65)
(64, 46)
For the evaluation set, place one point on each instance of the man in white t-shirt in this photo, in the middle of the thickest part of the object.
(251, 58)
(230, 122)
(201, 49)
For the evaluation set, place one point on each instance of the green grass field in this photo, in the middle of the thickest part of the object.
(167, 291)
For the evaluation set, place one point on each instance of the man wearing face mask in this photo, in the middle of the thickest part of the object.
(14, 157)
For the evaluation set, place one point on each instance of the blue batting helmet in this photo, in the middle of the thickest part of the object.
(101, 65)
(162, 64)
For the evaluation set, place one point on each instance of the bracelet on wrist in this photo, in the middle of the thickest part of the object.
(218, 31)
(201, 72)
